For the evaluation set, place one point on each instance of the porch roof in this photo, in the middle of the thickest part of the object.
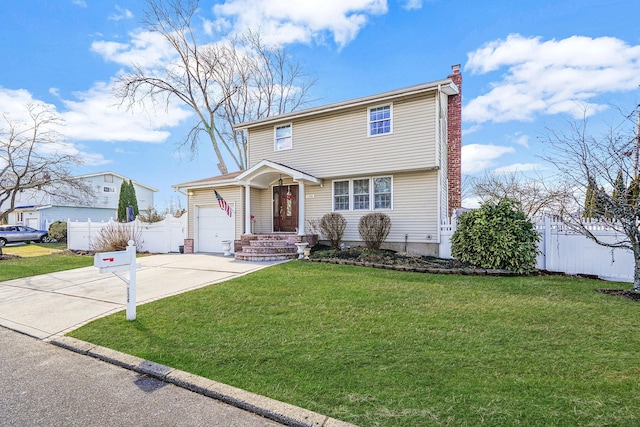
(214, 181)
(265, 172)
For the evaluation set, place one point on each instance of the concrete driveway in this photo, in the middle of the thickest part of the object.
(53, 304)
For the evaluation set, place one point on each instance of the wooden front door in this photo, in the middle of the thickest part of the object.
(285, 208)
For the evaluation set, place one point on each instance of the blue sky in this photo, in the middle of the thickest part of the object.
(527, 66)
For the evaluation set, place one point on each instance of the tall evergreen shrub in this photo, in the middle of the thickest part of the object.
(496, 236)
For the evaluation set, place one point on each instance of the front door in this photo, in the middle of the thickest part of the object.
(285, 208)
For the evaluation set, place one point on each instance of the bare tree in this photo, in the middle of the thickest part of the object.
(604, 174)
(224, 82)
(534, 195)
(35, 156)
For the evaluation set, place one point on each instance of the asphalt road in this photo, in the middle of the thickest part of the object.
(41, 384)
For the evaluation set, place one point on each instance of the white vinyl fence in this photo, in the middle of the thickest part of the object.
(564, 250)
(156, 237)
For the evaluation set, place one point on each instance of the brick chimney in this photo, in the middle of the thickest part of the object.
(454, 137)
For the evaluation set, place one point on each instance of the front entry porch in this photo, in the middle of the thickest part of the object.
(286, 189)
(270, 247)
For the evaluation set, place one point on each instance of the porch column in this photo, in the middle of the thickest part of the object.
(247, 209)
(301, 199)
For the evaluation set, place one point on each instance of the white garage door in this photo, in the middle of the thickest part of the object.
(213, 225)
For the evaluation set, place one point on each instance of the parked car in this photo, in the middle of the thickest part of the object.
(20, 233)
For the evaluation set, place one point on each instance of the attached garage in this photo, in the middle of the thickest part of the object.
(212, 226)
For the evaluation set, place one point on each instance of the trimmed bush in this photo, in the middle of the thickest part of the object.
(332, 226)
(58, 231)
(497, 236)
(374, 229)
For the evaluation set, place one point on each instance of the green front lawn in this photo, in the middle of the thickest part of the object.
(385, 348)
(39, 258)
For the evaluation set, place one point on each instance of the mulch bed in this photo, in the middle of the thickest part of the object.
(623, 293)
(427, 264)
(391, 260)
(7, 256)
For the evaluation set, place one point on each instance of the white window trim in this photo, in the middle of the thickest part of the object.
(275, 139)
(390, 105)
(351, 194)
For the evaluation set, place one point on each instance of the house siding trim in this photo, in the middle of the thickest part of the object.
(445, 85)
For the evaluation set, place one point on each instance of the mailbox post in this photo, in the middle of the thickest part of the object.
(116, 262)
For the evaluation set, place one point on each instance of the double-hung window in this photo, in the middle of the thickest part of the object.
(382, 193)
(283, 137)
(362, 194)
(341, 196)
(380, 120)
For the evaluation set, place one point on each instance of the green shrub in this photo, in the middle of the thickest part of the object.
(58, 231)
(497, 236)
(332, 226)
(374, 229)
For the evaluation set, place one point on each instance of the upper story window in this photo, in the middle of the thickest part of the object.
(107, 189)
(380, 120)
(283, 137)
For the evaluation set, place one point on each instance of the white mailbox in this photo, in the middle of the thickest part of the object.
(114, 262)
(109, 260)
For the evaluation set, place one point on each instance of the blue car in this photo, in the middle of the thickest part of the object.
(20, 233)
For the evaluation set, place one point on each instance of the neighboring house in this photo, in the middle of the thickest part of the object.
(397, 152)
(35, 208)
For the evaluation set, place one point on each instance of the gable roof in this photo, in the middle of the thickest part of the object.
(122, 177)
(447, 86)
(265, 172)
(225, 179)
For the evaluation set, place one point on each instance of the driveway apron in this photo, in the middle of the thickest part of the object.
(53, 304)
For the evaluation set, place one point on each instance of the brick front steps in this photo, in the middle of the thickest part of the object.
(269, 247)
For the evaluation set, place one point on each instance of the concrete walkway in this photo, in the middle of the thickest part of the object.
(53, 304)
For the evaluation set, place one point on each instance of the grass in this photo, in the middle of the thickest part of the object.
(386, 348)
(39, 258)
(34, 249)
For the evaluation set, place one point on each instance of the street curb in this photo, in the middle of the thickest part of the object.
(272, 409)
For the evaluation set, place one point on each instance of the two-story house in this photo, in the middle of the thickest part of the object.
(397, 152)
(35, 207)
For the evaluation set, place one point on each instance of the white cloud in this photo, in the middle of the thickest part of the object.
(96, 116)
(145, 48)
(284, 21)
(80, 3)
(14, 103)
(412, 4)
(121, 13)
(521, 139)
(519, 167)
(478, 157)
(550, 77)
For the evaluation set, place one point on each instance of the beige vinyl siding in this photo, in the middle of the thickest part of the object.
(336, 144)
(262, 209)
(206, 197)
(414, 213)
